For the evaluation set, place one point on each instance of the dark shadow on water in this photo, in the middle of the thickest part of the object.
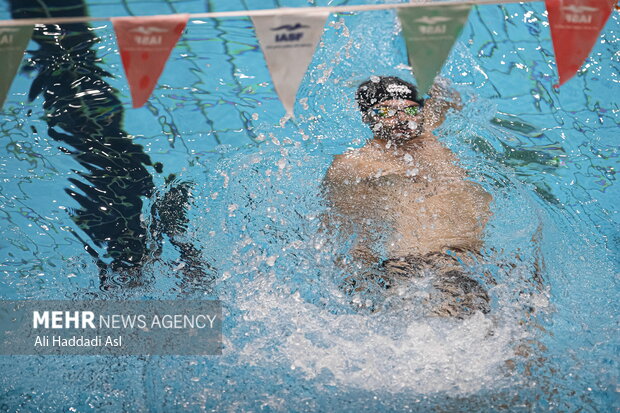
(84, 114)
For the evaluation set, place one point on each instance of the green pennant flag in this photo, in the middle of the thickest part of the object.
(430, 33)
(13, 42)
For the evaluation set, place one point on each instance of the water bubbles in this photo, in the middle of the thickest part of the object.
(304, 103)
(281, 163)
(225, 183)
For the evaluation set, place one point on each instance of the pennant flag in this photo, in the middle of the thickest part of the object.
(145, 44)
(13, 42)
(288, 43)
(430, 33)
(575, 26)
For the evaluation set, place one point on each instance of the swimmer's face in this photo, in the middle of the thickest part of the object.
(396, 119)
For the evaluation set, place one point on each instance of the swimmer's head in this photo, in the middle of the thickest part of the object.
(391, 107)
(379, 89)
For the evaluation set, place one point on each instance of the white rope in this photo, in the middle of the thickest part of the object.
(267, 12)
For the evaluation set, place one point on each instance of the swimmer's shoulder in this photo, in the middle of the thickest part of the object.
(356, 163)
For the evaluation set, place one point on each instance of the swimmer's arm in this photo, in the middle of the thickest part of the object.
(358, 165)
(338, 215)
(347, 167)
(334, 182)
(442, 98)
(483, 201)
(335, 171)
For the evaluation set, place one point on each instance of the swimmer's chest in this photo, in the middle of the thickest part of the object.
(398, 195)
(380, 180)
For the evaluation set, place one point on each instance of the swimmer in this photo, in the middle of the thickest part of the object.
(410, 205)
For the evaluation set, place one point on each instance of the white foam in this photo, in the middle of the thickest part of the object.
(386, 352)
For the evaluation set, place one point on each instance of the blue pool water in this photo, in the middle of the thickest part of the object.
(251, 188)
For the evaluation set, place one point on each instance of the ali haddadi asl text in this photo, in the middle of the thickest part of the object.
(78, 341)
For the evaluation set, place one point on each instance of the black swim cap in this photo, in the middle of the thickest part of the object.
(379, 89)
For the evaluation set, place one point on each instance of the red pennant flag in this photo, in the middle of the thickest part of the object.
(145, 44)
(575, 26)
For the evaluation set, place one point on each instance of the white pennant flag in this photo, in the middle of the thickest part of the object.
(288, 43)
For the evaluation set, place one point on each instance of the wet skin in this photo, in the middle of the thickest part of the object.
(403, 193)
(408, 179)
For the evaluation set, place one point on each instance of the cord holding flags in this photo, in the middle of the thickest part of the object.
(288, 38)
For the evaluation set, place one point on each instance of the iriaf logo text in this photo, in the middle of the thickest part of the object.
(148, 38)
(578, 14)
(6, 36)
(433, 25)
(291, 36)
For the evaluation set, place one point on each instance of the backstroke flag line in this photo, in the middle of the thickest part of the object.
(575, 27)
(13, 42)
(288, 43)
(145, 44)
(430, 33)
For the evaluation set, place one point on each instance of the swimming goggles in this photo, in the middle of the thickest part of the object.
(389, 112)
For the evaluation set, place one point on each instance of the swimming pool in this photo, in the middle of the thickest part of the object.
(252, 229)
